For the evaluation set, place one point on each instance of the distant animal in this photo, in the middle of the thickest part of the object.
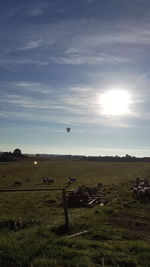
(71, 180)
(17, 183)
(50, 180)
(135, 192)
(28, 180)
(146, 182)
(141, 194)
(148, 194)
(142, 184)
(141, 190)
(47, 180)
(44, 179)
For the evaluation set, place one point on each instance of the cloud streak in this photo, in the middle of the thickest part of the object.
(79, 105)
(70, 43)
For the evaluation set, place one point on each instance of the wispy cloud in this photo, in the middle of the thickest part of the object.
(84, 59)
(77, 105)
(79, 89)
(34, 12)
(20, 62)
(71, 104)
(28, 9)
(32, 44)
(32, 86)
(74, 42)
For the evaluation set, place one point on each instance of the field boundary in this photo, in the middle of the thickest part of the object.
(45, 189)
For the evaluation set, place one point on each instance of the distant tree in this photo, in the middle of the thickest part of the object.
(17, 152)
(6, 156)
(128, 156)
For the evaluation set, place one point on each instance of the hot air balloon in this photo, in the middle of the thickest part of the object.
(68, 129)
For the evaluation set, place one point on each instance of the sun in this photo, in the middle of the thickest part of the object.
(115, 102)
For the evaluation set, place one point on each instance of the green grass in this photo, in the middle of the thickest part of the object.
(32, 223)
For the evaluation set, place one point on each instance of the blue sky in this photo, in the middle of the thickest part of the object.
(57, 58)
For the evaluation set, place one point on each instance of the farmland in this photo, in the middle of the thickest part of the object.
(32, 223)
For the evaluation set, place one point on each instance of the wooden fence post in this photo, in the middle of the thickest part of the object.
(65, 210)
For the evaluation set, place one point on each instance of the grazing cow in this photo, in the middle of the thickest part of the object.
(17, 183)
(47, 180)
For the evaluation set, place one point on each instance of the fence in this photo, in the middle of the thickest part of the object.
(46, 189)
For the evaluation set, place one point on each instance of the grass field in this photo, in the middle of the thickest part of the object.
(31, 223)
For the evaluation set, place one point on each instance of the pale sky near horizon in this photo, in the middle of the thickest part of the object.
(64, 63)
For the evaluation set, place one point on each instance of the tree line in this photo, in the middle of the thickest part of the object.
(11, 156)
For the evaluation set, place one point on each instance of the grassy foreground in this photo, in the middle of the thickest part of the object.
(31, 223)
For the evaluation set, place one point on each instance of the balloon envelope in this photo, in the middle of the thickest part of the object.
(68, 129)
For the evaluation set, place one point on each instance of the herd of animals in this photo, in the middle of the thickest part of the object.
(46, 180)
(141, 190)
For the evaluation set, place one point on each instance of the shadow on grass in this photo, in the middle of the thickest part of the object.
(62, 230)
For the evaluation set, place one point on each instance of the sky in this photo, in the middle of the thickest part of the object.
(82, 64)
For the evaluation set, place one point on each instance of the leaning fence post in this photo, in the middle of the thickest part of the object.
(65, 210)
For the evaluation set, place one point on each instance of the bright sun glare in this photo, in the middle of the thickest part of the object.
(115, 102)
